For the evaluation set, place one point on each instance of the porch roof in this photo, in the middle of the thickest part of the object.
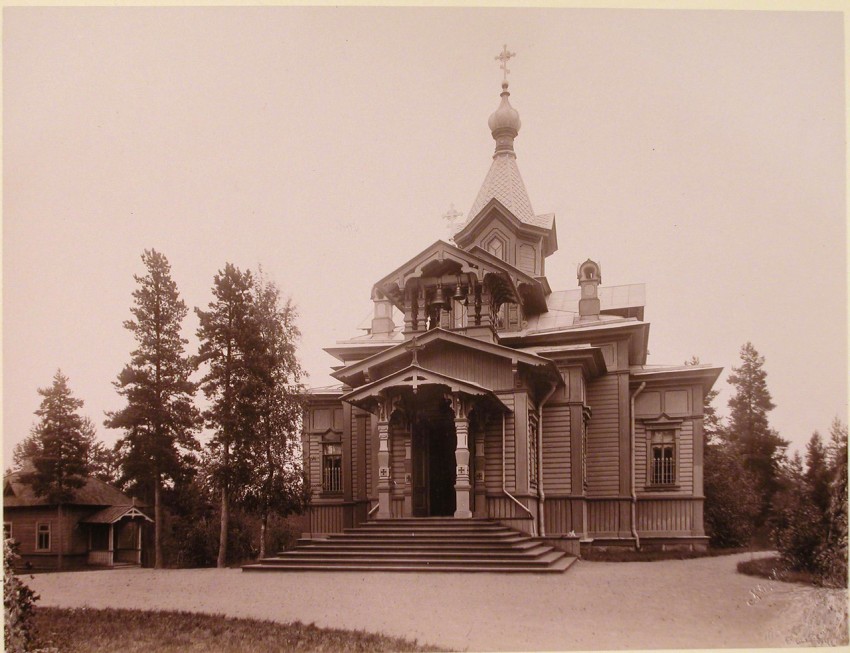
(353, 373)
(113, 514)
(413, 377)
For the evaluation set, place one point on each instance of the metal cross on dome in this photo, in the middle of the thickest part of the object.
(504, 55)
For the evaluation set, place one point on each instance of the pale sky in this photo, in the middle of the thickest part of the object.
(699, 152)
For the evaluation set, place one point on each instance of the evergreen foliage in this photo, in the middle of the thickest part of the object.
(229, 336)
(276, 484)
(60, 449)
(810, 509)
(761, 447)
(159, 420)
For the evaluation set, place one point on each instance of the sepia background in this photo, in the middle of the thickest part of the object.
(699, 152)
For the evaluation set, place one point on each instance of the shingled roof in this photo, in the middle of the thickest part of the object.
(95, 492)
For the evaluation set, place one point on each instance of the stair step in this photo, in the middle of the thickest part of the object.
(420, 545)
(557, 567)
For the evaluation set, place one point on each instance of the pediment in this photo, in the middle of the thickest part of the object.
(413, 378)
(542, 226)
(444, 261)
(406, 353)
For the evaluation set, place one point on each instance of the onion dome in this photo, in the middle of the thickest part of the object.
(504, 123)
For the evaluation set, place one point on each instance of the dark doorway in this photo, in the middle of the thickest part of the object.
(434, 444)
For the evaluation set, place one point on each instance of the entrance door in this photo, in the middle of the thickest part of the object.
(420, 472)
(434, 442)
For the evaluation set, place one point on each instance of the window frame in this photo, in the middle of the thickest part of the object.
(39, 532)
(652, 430)
(324, 456)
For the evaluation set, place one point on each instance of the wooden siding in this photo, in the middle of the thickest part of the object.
(314, 458)
(556, 449)
(508, 513)
(24, 522)
(326, 518)
(351, 434)
(603, 517)
(603, 437)
(493, 450)
(665, 516)
(468, 364)
(562, 515)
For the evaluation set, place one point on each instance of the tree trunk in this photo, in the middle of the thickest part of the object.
(222, 539)
(157, 522)
(263, 527)
(59, 542)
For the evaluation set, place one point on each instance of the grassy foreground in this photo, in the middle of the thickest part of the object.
(134, 631)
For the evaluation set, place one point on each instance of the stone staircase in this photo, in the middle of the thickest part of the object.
(428, 544)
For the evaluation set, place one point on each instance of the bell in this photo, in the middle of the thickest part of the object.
(459, 295)
(440, 301)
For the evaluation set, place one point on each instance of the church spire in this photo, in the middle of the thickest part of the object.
(503, 181)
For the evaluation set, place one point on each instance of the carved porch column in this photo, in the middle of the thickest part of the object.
(408, 475)
(463, 488)
(384, 477)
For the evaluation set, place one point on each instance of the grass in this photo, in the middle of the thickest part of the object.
(773, 568)
(134, 631)
(630, 555)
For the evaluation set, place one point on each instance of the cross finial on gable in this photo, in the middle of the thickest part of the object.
(413, 346)
(503, 57)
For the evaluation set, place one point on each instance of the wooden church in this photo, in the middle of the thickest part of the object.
(500, 398)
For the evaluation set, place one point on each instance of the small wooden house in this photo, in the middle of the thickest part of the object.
(101, 526)
(480, 390)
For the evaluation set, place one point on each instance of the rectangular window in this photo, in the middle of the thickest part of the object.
(663, 457)
(332, 468)
(532, 450)
(42, 537)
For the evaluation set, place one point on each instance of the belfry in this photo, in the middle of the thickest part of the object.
(482, 390)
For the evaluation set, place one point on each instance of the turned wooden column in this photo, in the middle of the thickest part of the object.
(463, 488)
(384, 486)
(408, 476)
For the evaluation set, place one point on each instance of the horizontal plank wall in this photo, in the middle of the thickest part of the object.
(508, 513)
(463, 363)
(493, 450)
(603, 437)
(556, 450)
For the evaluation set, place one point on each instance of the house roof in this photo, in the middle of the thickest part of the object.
(113, 514)
(95, 492)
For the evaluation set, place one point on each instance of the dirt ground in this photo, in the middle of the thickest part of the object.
(699, 603)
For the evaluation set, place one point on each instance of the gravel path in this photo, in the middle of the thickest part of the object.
(699, 603)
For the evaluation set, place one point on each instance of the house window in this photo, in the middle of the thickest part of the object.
(7, 530)
(662, 451)
(42, 537)
(332, 468)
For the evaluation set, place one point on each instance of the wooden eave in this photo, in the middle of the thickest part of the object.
(638, 333)
(706, 376)
(474, 261)
(589, 357)
(353, 374)
(357, 351)
(114, 514)
(475, 226)
(413, 377)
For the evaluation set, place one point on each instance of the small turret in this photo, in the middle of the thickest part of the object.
(589, 278)
(382, 318)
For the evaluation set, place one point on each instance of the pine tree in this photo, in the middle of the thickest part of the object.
(229, 337)
(761, 446)
(60, 448)
(160, 419)
(817, 474)
(276, 484)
